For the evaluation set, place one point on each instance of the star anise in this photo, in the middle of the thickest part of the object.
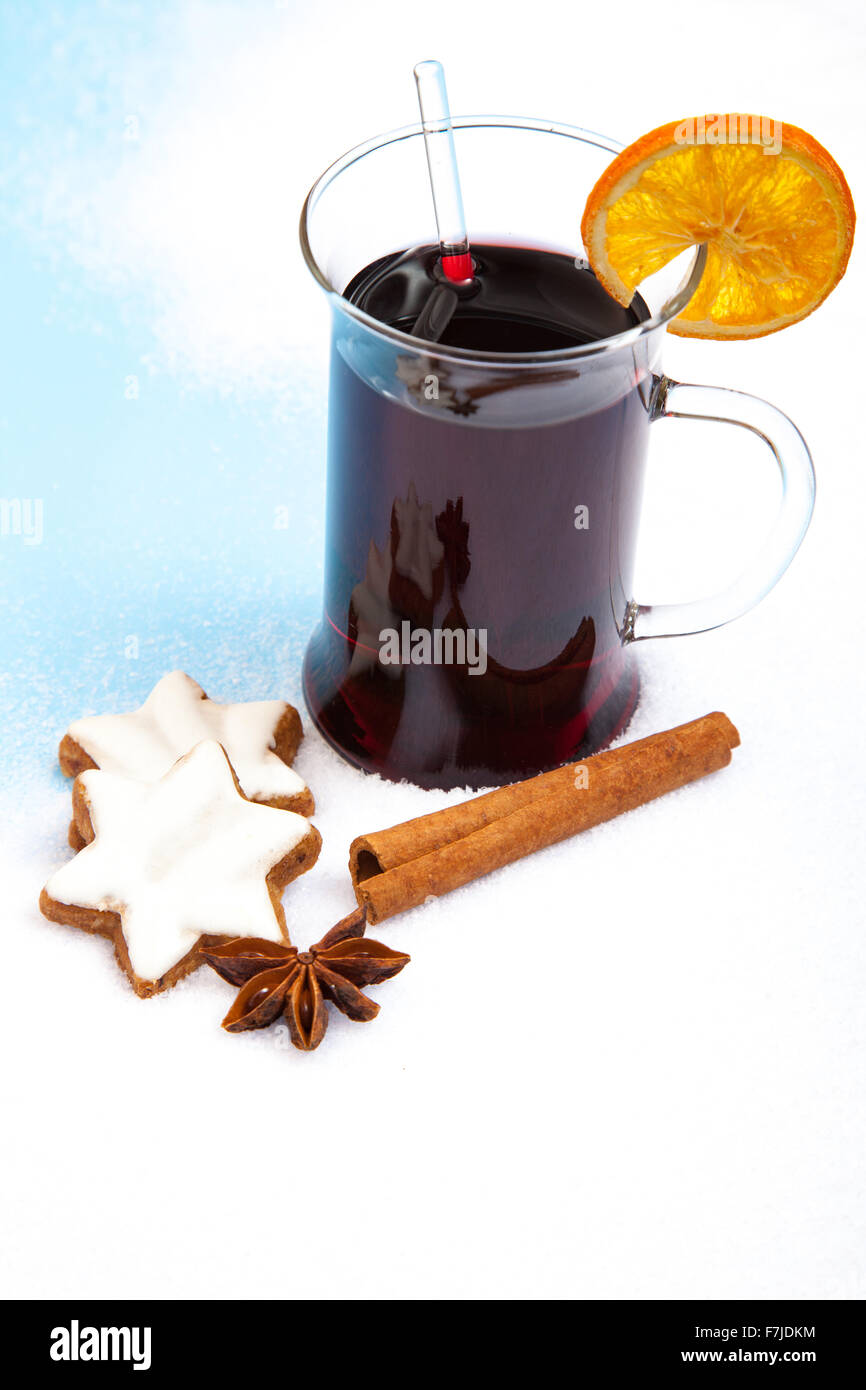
(464, 405)
(279, 979)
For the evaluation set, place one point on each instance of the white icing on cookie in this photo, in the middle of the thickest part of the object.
(178, 859)
(175, 717)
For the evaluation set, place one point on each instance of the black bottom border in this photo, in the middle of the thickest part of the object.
(259, 1338)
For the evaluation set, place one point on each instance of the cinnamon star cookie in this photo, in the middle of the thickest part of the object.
(172, 866)
(260, 737)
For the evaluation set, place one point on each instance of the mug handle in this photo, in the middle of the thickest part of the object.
(680, 401)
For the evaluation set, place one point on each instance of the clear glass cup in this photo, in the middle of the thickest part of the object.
(456, 480)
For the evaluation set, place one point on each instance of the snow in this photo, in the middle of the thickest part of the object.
(629, 1067)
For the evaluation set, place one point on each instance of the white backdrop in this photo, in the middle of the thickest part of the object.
(633, 1066)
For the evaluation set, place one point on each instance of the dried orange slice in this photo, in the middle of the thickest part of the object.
(770, 202)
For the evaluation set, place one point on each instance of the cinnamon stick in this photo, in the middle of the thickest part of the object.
(393, 870)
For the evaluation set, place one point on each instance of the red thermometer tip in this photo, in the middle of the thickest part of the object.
(458, 268)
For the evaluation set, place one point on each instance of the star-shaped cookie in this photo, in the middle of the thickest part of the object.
(176, 865)
(260, 737)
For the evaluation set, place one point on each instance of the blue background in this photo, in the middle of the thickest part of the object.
(164, 500)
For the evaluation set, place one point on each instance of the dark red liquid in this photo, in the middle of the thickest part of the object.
(456, 514)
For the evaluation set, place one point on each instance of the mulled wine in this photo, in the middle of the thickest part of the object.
(482, 516)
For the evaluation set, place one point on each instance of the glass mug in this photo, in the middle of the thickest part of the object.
(482, 517)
